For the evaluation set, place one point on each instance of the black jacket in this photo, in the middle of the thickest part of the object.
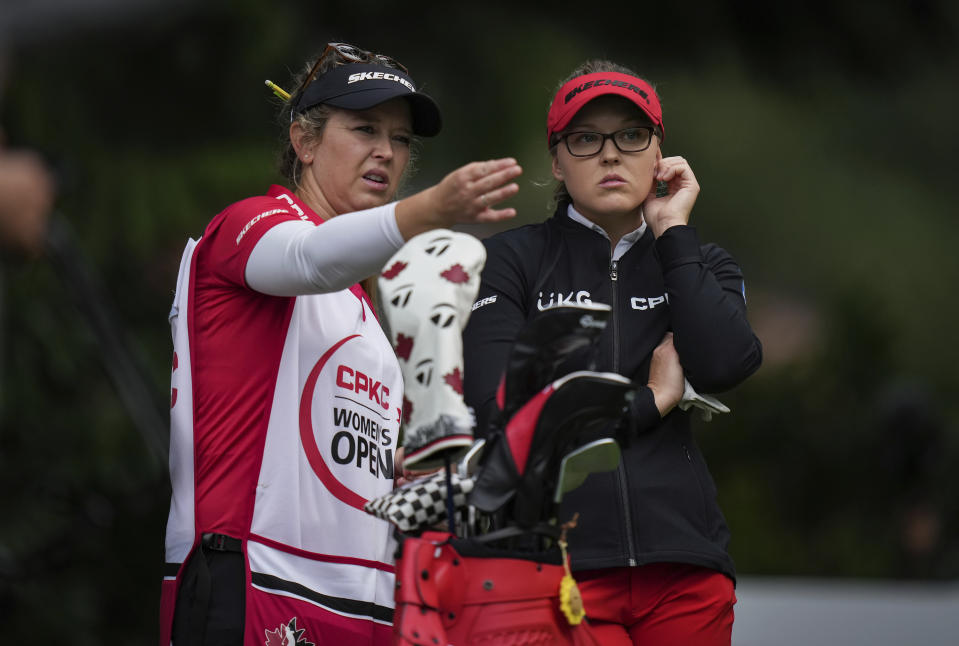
(660, 505)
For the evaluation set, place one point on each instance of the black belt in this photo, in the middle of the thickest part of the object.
(222, 543)
(216, 543)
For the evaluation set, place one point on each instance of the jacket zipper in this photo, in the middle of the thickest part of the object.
(621, 470)
(613, 278)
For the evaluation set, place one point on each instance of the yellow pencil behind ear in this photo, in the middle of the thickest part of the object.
(277, 90)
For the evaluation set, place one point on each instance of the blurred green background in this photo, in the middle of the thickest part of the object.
(823, 136)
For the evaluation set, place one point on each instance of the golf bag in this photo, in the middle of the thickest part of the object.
(498, 572)
(503, 578)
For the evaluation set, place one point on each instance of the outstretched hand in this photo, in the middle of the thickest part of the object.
(470, 193)
(673, 208)
(467, 195)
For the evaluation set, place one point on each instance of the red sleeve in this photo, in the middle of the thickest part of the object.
(232, 234)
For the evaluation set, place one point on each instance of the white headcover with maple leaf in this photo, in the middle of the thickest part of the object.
(427, 290)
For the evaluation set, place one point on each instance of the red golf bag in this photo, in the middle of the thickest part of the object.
(500, 575)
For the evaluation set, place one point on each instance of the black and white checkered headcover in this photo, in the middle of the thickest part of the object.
(420, 504)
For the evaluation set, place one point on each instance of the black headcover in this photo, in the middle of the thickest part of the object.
(543, 345)
(521, 463)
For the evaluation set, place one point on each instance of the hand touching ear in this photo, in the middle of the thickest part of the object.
(675, 206)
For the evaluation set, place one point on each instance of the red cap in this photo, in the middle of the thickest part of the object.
(579, 91)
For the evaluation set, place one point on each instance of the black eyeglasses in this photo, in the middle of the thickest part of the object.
(350, 54)
(627, 140)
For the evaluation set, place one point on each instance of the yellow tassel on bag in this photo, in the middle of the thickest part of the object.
(570, 600)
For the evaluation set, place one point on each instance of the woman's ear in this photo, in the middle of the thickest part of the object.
(558, 170)
(302, 144)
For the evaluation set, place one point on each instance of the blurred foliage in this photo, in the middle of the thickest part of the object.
(821, 132)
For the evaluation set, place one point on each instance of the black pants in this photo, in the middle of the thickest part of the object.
(219, 621)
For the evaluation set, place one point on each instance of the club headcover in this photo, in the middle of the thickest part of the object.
(543, 345)
(427, 290)
(522, 460)
(584, 407)
(420, 504)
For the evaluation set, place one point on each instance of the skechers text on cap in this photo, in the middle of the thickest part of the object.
(359, 86)
(579, 91)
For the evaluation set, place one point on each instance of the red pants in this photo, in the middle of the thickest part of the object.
(665, 604)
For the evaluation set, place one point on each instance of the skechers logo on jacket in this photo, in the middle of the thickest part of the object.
(582, 297)
(483, 301)
(386, 76)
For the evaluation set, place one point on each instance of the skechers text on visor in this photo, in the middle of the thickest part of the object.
(581, 90)
(359, 86)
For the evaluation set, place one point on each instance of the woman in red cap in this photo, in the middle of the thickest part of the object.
(649, 549)
(286, 394)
